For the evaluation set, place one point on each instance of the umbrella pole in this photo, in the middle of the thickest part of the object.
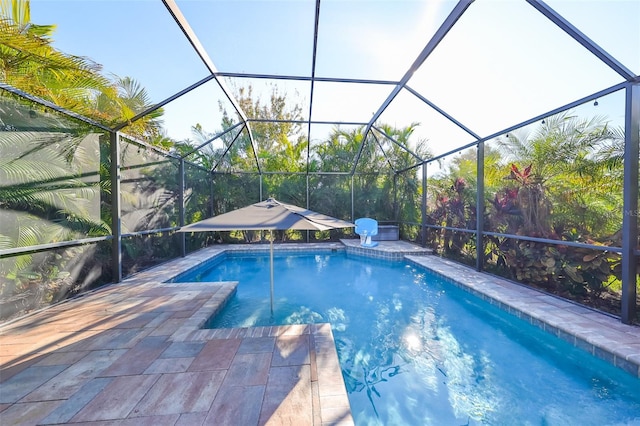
(271, 253)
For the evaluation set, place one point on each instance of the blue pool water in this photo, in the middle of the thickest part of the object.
(416, 350)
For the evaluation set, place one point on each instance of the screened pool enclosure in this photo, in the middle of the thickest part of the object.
(503, 135)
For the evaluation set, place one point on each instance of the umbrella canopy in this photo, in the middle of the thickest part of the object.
(267, 215)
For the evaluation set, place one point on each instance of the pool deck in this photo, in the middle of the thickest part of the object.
(134, 353)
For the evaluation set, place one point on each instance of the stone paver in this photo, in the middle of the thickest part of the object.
(25, 382)
(249, 369)
(229, 408)
(181, 393)
(117, 399)
(70, 407)
(287, 396)
(217, 354)
(291, 350)
(68, 382)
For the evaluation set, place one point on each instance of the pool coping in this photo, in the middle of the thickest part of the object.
(394, 250)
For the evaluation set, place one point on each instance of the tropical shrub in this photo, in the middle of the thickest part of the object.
(523, 208)
(455, 207)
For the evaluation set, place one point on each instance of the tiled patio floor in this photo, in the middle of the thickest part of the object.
(134, 353)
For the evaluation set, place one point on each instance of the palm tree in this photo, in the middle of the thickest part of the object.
(399, 156)
(29, 62)
(565, 159)
(337, 152)
(122, 101)
(50, 190)
(559, 187)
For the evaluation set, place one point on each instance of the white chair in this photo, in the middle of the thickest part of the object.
(367, 228)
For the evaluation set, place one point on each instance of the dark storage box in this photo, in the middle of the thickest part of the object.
(387, 233)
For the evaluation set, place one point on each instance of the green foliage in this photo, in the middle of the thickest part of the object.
(56, 178)
(525, 209)
(144, 251)
(568, 162)
(282, 152)
(455, 207)
(54, 171)
(577, 273)
(278, 144)
(29, 62)
(34, 280)
(553, 184)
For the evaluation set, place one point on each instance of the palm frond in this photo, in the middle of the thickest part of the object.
(6, 242)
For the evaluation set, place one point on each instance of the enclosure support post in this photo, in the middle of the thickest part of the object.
(260, 175)
(116, 224)
(181, 207)
(480, 207)
(308, 207)
(395, 197)
(353, 215)
(211, 198)
(423, 207)
(630, 207)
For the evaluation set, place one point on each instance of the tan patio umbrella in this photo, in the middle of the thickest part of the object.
(269, 215)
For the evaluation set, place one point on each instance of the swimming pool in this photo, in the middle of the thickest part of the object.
(415, 349)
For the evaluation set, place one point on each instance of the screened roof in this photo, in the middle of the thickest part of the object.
(464, 70)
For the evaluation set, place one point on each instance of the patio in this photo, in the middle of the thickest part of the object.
(134, 353)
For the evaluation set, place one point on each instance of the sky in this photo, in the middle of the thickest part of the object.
(502, 63)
